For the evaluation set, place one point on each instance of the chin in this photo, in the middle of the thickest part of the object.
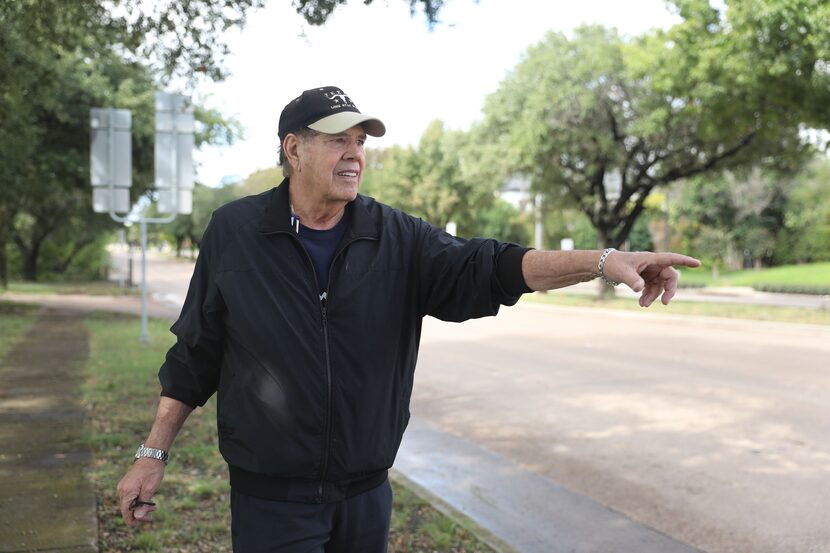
(346, 193)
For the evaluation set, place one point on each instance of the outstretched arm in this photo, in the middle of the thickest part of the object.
(650, 273)
(143, 479)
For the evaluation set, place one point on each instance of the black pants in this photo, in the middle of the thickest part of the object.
(359, 524)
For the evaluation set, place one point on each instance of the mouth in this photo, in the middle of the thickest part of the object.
(347, 174)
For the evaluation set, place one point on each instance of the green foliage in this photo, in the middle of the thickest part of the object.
(731, 219)
(805, 232)
(717, 91)
(317, 12)
(503, 222)
(441, 180)
(756, 217)
(260, 181)
(187, 230)
(60, 59)
(640, 238)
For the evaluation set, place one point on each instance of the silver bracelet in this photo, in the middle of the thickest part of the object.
(601, 266)
(152, 453)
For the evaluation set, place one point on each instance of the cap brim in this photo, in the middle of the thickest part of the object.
(345, 120)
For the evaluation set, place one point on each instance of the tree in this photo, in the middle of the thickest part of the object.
(59, 59)
(717, 91)
(438, 181)
(260, 181)
(733, 219)
(190, 228)
(804, 235)
(316, 12)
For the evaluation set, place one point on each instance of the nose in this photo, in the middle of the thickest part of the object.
(354, 150)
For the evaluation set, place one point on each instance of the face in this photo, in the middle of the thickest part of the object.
(331, 165)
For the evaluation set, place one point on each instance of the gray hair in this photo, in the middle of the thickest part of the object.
(305, 134)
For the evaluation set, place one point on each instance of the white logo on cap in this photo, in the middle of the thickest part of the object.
(339, 97)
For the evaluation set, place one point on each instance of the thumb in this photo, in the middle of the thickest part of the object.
(142, 512)
(632, 279)
(636, 284)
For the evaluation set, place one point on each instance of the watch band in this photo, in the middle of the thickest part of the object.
(153, 453)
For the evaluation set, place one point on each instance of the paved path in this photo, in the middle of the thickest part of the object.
(46, 503)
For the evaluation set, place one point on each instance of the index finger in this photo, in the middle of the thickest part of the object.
(670, 258)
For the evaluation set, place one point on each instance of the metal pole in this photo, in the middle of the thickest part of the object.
(539, 228)
(143, 338)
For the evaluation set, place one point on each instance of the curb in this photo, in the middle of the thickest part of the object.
(485, 536)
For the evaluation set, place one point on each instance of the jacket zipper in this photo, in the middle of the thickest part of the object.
(327, 442)
(324, 321)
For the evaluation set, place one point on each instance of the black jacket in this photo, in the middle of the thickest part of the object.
(313, 397)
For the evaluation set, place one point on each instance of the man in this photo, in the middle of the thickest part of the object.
(304, 314)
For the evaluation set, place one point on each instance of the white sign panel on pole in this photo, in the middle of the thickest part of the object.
(111, 125)
(174, 152)
(184, 205)
(101, 199)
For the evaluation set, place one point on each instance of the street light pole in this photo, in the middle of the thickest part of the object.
(143, 336)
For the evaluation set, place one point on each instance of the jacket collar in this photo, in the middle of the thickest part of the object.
(278, 215)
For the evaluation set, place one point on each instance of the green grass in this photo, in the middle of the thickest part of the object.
(812, 275)
(193, 503)
(417, 526)
(95, 288)
(701, 309)
(15, 321)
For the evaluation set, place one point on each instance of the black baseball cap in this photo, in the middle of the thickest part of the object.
(327, 110)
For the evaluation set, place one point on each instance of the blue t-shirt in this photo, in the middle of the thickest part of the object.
(321, 245)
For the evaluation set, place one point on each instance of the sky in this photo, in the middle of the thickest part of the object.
(389, 63)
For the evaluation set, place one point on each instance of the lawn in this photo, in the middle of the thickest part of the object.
(814, 276)
(95, 288)
(15, 321)
(699, 309)
(193, 515)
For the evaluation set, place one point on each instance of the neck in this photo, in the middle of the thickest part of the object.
(315, 213)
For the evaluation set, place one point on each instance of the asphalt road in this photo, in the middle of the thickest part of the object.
(713, 431)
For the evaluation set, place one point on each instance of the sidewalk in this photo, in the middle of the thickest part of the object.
(46, 503)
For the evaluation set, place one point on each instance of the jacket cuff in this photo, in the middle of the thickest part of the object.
(509, 270)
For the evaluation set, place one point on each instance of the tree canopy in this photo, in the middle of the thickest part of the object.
(719, 90)
(317, 12)
(60, 59)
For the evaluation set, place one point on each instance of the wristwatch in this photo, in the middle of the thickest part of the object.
(152, 452)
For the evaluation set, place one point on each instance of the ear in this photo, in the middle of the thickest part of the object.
(291, 151)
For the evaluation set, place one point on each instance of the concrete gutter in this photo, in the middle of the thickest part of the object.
(531, 514)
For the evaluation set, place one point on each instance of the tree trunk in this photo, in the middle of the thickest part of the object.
(30, 262)
(77, 246)
(6, 216)
(4, 275)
